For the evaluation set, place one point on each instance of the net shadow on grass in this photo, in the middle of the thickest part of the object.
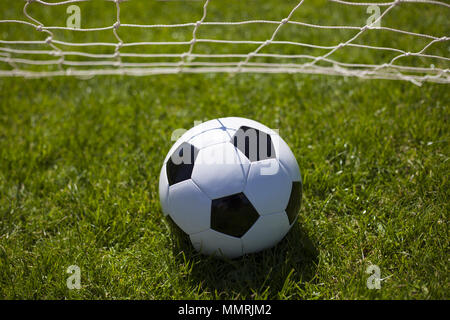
(270, 274)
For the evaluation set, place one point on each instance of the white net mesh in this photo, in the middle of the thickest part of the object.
(54, 55)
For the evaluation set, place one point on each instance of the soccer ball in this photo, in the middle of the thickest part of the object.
(233, 185)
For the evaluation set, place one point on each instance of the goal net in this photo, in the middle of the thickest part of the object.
(401, 39)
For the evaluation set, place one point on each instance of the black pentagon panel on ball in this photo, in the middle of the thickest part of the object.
(181, 163)
(255, 144)
(233, 215)
(295, 201)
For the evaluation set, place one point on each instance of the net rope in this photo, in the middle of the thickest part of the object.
(112, 63)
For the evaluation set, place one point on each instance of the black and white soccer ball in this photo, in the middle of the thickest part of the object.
(233, 185)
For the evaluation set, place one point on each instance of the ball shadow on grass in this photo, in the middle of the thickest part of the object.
(267, 274)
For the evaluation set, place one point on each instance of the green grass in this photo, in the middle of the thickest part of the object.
(79, 168)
